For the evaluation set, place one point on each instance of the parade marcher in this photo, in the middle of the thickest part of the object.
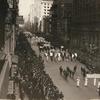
(73, 73)
(65, 74)
(75, 68)
(81, 70)
(51, 55)
(69, 71)
(67, 55)
(63, 55)
(78, 81)
(61, 70)
(61, 96)
(84, 73)
(62, 48)
(40, 48)
(94, 82)
(59, 56)
(72, 57)
(86, 82)
(47, 57)
(55, 56)
(75, 56)
(98, 84)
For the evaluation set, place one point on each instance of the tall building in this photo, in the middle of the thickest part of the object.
(45, 7)
(45, 13)
(61, 13)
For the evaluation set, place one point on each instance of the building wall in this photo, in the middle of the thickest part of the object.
(3, 12)
(85, 21)
(8, 13)
(61, 18)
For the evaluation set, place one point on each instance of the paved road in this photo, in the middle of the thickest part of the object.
(69, 89)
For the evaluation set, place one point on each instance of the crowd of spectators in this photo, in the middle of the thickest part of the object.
(33, 80)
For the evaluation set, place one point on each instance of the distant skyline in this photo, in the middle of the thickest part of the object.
(24, 7)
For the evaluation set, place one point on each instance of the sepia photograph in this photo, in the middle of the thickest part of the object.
(49, 49)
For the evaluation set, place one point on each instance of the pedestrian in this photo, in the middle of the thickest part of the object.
(78, 81)
(61, 70)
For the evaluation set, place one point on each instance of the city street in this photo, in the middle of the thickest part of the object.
(69, 88)
(50, 49)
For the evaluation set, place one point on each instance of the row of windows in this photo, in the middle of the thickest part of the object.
(46, 10)
(46, 13)
(46, 6)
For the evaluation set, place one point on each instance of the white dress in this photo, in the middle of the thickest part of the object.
(86, 82)
(59, 57)
(46, 54)
(78, 82)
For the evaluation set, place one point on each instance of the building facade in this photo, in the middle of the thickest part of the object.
(61, 13)
(8, 14)
(45, 14)
(45, 8)
(85, 24)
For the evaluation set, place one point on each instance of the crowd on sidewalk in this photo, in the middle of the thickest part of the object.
(33, 80)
